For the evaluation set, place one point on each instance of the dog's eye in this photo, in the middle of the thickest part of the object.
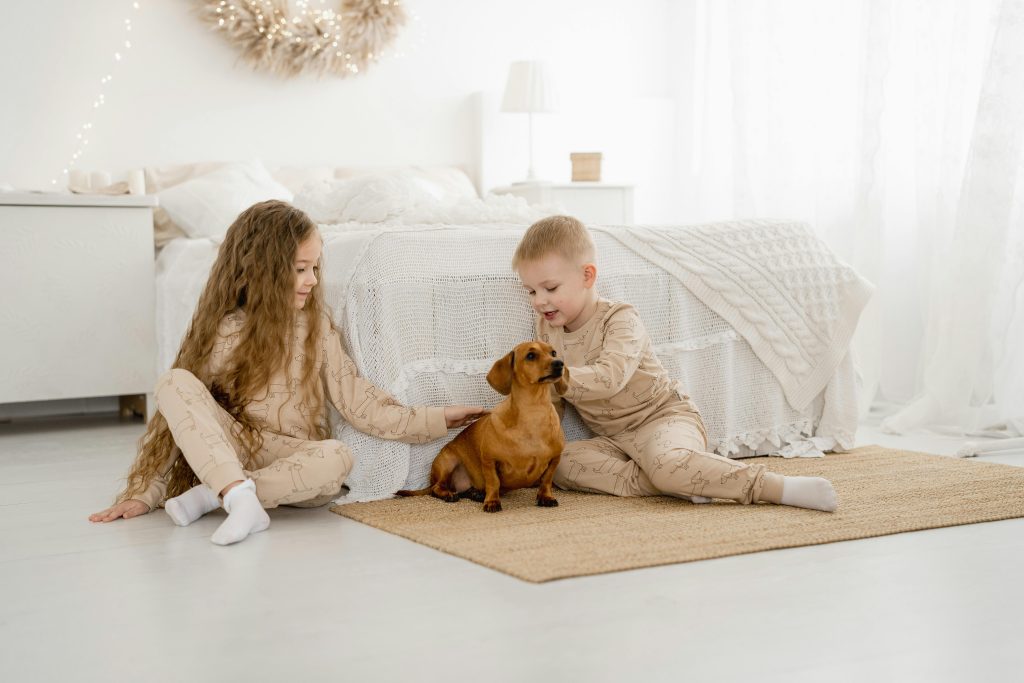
(554, 353)
(531, 355)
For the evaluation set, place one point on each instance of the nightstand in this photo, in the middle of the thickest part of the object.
(77, 296)
(599, 203)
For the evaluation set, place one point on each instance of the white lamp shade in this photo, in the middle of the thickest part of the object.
(528, 88)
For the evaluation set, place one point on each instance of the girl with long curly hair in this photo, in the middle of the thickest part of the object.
(241, 419)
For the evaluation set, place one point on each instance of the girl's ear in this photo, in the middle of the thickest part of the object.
(589, 275)
(500, 376)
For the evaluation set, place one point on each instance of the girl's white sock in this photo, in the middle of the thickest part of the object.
(245, 515)
(814, 493)
(191, 505)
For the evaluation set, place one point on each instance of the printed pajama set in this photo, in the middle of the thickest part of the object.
(650, 438)
(291, 467)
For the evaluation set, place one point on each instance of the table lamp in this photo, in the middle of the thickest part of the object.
(528, 89)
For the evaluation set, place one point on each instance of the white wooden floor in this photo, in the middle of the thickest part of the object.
(320, 596)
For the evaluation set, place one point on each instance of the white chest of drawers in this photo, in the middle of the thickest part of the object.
(76, 296)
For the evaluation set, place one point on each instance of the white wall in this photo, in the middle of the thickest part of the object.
(181, 95)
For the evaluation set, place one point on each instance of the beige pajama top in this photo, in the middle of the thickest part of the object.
(616, 383)
(285, 408)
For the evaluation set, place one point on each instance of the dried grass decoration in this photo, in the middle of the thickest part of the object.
(271, 37)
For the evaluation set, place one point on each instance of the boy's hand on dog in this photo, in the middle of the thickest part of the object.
(127, 509)
(460, 416)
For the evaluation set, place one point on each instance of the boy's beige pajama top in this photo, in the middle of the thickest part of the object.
(292, 467)
(650, 437)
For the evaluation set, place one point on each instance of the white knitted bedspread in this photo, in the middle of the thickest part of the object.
(776, 283)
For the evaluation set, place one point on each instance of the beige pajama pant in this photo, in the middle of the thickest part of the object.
(664, 456)
(288, 471)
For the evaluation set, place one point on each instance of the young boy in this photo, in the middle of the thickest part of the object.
(650, 438)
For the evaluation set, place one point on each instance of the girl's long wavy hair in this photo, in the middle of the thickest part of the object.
(255, 272)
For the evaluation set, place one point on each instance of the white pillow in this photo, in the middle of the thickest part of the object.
(207, 205)
(367, 199)
(450, 181)
(407, 198)
(453, 182)
(297, 177)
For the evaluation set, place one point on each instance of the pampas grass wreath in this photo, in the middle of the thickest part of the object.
(272, 38)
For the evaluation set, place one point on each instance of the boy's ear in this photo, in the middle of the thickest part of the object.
(500, 376)
(562, 385)
(589, 275)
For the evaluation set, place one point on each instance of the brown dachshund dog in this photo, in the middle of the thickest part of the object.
(518, 444)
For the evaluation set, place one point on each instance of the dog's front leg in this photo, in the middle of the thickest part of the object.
(492, 485)
(544, 497)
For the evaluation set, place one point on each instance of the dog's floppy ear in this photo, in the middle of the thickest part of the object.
(562, 385)
(500, 376)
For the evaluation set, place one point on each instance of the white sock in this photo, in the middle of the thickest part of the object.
(245, 515)
(191, 505)
(814, 493)
(697, 500)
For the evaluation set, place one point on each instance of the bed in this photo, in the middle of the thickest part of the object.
(426, 301)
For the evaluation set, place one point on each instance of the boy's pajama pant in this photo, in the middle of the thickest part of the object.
(287, 471)
(665, 456)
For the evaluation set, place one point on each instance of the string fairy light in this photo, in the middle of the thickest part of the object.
(314, 37)
(84, 130)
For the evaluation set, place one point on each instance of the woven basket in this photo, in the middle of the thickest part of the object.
(586, 166)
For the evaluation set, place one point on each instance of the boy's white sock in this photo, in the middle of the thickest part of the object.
(697, 500)
(814, 493)
(191, 505)
(245, 515)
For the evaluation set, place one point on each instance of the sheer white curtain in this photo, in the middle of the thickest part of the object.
(893, 127)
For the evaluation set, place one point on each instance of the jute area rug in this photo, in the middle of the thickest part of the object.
(881, 491)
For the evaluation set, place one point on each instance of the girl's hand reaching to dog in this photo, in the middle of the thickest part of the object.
(127, 509)
(460, 416)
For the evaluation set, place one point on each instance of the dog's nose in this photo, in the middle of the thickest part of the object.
(557, 365)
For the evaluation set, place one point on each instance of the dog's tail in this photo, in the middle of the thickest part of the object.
(418, 492)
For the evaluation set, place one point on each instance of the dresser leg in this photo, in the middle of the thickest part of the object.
(135, 405)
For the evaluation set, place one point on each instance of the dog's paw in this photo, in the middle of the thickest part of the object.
(475, 495)
(547, 502)
(492, 506)
(447, 496)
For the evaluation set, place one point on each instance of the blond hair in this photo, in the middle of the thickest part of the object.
(255, 272)
(562, 235)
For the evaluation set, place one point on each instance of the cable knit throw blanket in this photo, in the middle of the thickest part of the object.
(782, 289)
